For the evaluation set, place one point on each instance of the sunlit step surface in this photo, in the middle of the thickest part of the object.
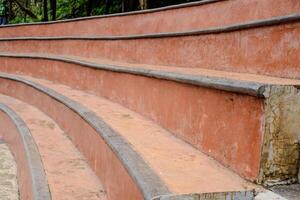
(68, 175)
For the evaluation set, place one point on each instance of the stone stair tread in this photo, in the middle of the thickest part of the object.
(68, 175)
(183, 168)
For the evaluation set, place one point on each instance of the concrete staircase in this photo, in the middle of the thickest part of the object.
(190, 102)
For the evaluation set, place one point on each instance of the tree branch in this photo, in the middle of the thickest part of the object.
(24, 9)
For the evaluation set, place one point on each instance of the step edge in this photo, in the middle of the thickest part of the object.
(146, 179)
(230, 85)
(273, 21)
(232, 195)
(40, 188)
(153, 10)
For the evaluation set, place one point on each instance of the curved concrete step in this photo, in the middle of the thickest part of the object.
(8, 174)
(255, 47)
(68, 175)
(31, 176)
(243, 123)
(48, 65)
(143, 148)
(183, 17)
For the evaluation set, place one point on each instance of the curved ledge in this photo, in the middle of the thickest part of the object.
(215, 30)
(147, 180)
(149, 183)
(184, 5)
(230, 85)
(38, 181)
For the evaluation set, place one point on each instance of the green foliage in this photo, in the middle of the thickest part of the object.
(67, 9)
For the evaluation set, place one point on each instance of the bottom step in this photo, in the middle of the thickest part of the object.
(8, 174)
(68, 175)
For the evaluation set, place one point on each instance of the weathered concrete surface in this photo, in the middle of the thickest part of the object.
(269, 50)
(31, 177)
(115, 178)
(68, 175)
(275, 118)
(244, 83)
(290, 192)
(280, 152)
(268, 195)
(190, 171)
(209, 119)
(8, 174)
(201, 15)
(243, 195)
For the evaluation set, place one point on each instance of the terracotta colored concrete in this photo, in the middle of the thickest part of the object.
(195, 105)
(10, 135)
(154, 104)
(267, 50)
(247, 77)
(15, 63)
(203, 117)
(69, 176)
(183, 168)
(172, 20)
(116, 181)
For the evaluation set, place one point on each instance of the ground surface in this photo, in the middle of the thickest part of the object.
(290, 192)
(8, 174)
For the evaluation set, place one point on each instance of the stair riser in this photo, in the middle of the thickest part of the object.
(11, 136)
(116, 180)
(172, 20)
(31, 176)
(222, 124)
(267, 50)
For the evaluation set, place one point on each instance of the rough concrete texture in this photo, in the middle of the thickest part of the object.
(244, 195)
(299, 168)
(69, 176)
(209, 119)
(190, 172)
(201, 15)
(8, 174)
(268, 195)
(290, 192)
(270, 50)
(280, 153)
